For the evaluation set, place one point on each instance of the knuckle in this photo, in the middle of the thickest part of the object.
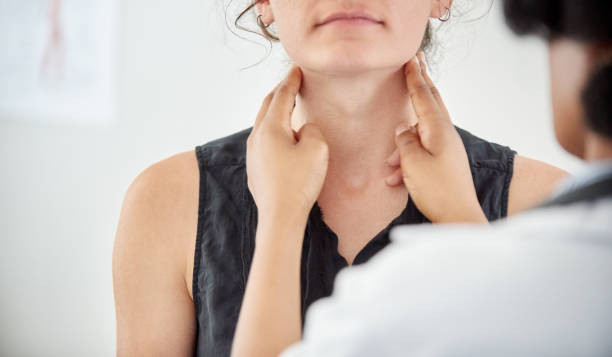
(284, 90)
(434, 91)
(432, 113)
(422, 86)
(418, 89)
(407, 141)
(412, 68)
(407, 138)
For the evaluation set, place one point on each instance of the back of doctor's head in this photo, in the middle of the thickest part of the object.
(579, 33)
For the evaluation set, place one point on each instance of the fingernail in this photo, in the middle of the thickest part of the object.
(392, 180)
(401, 128)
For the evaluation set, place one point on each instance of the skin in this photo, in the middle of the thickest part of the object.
(152, 272)
(342, 79)
(343, 148)
(270, 315)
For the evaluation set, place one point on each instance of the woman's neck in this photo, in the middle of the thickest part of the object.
(357, 115)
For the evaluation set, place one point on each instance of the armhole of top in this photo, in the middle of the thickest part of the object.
(200, 226)
(509, 174)
(506, 159)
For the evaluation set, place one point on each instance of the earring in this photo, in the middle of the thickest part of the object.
(446, 16)
(261, 23)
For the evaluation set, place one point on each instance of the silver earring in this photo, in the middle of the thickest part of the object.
(261, 23)
(446, 16)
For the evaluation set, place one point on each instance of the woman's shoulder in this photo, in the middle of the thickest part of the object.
(164, 198)
(160, 205)
(163, 182)
(157, 228)
(151, 256)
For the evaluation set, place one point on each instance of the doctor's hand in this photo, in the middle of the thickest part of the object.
(430, 158)
(285, 169)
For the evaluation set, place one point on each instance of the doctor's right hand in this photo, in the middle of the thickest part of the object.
(285, 169)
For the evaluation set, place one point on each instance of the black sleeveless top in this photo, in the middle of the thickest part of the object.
(227, 219)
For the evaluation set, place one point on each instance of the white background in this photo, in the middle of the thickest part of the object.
(179, 85)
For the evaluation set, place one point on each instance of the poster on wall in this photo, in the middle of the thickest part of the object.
(58, 60)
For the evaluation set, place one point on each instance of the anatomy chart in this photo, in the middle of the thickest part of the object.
(58, 60)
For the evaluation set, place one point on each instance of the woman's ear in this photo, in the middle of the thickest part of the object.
(440, 8)
(265, 10)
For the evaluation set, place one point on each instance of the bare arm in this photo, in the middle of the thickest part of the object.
(285, 171)
(154, 309)
(270, 314)
(532, 183)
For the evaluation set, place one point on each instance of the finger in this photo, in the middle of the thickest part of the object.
(412, 117)
(409, 144)
(394, 159)
(424, 102)
(432, 87)
(283, 102)
(263, 110)
(395, 179)
(265, 106)
(310, 134)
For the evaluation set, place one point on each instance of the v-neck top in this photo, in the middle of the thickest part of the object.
(227, 221)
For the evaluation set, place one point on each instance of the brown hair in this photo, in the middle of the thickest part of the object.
(426, 43)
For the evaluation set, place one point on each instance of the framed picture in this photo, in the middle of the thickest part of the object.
(58, 60)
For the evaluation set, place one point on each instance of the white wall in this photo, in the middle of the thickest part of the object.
(61, 185)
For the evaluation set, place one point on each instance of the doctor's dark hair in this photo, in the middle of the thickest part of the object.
(586, 21)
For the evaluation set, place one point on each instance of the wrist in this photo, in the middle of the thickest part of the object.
(476, 216)
(274, 223)
(283, 215)
(469, 214)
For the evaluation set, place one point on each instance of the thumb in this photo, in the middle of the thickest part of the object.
(310, 135)
(407, 140)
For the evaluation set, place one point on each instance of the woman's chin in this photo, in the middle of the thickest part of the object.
(348, 56)
(346, 63)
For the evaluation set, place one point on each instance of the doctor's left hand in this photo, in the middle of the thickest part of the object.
(430, 158)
